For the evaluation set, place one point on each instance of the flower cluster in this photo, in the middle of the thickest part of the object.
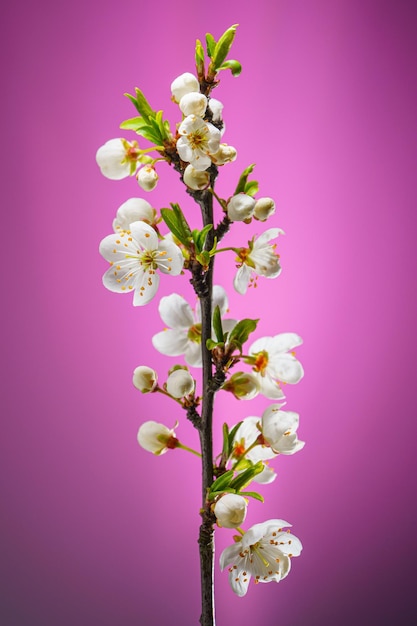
(202, 334)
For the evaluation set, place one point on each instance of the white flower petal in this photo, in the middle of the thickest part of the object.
(287, 369)
(269, 234)
(284, 342)
(242, 278)
(146, 286)
(176, 312)
(239, 582)
(144, 235)
(193, 354)
(270, 388)
(170, 342)
(229, 555)
(170, 259)
(133, 210)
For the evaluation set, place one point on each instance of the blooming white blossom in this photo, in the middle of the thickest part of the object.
(240, 207)
(266, 477)
(272, 361)
(183, 335)
(134, 256)
(225, 154)
(264, 208)
(157, 438)
(193, 104)
(147, 177)
(259, 259)
(180, 383)
(117, 158)
(196, 179)
(264, 552)
(145, 378)
(199, 139)
(133, 210)
(183, 84)
(230, 510)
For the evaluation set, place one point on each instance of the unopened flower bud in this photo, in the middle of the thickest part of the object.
(225, 154)
(264, 208)
(116, 158)
(193, 104)
(186, 83)
(196, 179)
(216, 107)
(133, 210)
(243, 385)
(157, 438)
(147, 177)
(230, 510)
(180, 383)
(145, 379)
(240, 207)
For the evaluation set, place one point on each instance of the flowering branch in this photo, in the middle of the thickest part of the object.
(138, 253)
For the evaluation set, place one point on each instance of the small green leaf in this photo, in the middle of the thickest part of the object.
(200, 236)
(181, 218)
(217, 324)
(244, 179)
(251, 187)
(215, 494)
(225, 449)
(232, 65)
(132, 124)
(203, 258)
(210, 44)
(175, 226)
(242, 465)
(233, 433)
(252, 494)
(240, 333)
(199, 58)
(211, 344)
(222, 482)
(246, 476)
(223, 46)
(143, 106)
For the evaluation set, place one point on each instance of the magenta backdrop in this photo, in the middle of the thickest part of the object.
(95, 530)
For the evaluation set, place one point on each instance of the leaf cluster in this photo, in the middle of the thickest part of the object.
(149, 124)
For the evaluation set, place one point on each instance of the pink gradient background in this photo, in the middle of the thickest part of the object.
(95, 531)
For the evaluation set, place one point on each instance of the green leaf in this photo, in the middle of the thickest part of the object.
(176, 225)
(242, 465)
(225, 449)
(200, 236)
(215, 494)
(132, 124)
(222, 482)
(181, 218)
(210, 44)
(251, 187)
(246, 476)
(223, 46)
(143, 106)
(203, 258)
(199, 58)
(240, 333)
(252, 494)
(232, 65)
(233, 433)
(244, 179)
(211, 344)
(217, 324)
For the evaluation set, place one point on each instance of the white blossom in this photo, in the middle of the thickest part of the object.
(180, 383)
(117, 158)
(259, 259)
(264, 208)
(230, 510)
(157, 438)
(196, 179)
(147, 177)
(225, 154)
(216, 107)
(240, 207)
(145, 378)
(183, 335)
(133, 210)
(134, 257)
(193, 104)
(264, 553)
(183, 84)
(272, 362)
(199, 139)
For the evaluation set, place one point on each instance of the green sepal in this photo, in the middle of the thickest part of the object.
(252, 494)
(251, 187)
(240, 333)
(232, 65)
(210, 44)
(244, 179)
(177, 224)
(246, 476)
(217, 324)
(222, 482)
(223, 46)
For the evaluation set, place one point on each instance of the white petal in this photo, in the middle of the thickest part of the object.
(230, 555)
(286, 368)
(176, 312)
(113, 280)
(111, 250)
(133, 210)
(269, 234)
(170, 260)
(145, 235)
(184, 150)
(284, 342)
(276, 422)
(170, 342)
(193, 354)
(242, 278)
(267, 476)
(261, 344)
(146, 286)
(270, 388)
(239, 582)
